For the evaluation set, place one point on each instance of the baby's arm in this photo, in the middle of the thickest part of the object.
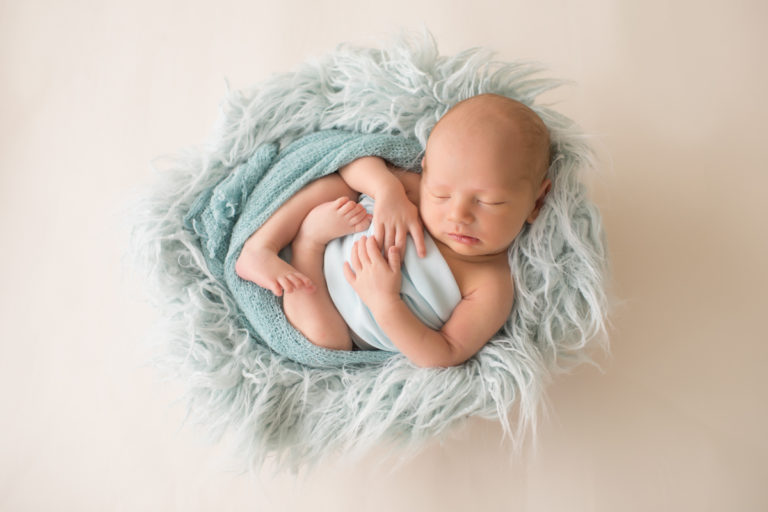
(478, 316)
(394, 215)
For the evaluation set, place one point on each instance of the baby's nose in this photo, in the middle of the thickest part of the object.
(460, 212)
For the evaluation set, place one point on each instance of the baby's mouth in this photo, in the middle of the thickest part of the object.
(463, 239)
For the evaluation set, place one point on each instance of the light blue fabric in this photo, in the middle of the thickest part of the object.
(227, 213)
(428, 287)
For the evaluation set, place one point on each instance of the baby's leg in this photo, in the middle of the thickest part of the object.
(259, 261)
(311, 311)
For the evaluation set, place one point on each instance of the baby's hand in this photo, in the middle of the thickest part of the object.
(394, 218)
(375, 280)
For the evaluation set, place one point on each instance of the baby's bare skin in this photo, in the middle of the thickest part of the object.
(484, 177)
(259, 262)
(331, 220)
(311, 310)
(395, 216)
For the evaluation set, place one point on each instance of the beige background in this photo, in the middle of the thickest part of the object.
(674, 93)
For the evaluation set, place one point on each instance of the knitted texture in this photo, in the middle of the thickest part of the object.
(226, 215)
(301, 408)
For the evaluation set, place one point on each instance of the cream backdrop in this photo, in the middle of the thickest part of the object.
(674, 93)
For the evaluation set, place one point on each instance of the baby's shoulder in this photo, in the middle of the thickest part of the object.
(488, 292)
(490, 281)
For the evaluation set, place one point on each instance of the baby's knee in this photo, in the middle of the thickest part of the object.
(328, 334)
(332, 343)
(332, 186)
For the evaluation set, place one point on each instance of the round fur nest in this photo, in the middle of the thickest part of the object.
(275, 407)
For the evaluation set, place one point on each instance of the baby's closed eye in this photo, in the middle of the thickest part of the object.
(440, 195)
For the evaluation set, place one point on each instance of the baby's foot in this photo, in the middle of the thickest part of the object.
(331, 220)
(265, 268)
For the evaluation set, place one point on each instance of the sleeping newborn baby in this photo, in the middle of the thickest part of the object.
(483, 177)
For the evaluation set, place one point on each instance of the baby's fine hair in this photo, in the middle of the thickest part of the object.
(502, 109)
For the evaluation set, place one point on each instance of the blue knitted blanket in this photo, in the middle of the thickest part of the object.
(226, 214)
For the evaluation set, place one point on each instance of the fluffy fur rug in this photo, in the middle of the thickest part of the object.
(275, 407)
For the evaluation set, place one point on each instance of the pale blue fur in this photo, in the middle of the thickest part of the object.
(273, 406)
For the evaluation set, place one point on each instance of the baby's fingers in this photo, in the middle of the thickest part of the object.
(361, 248)
(354, 257)
(379, 232)
(394, 259)
(372, 251)
(417, 233)
(400, 240)
(349, 273)
(389, 238)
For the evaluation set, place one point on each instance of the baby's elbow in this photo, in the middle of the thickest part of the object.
(435, 364)
(438, 363)
(442, 359)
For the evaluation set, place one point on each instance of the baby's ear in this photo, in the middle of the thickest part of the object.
(546, 185)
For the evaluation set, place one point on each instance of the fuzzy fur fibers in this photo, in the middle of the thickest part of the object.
(276, 409)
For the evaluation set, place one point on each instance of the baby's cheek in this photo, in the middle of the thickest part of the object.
(429, 213)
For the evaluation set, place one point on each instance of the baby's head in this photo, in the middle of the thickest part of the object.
(484, 174)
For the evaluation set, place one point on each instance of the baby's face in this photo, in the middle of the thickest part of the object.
(478, 189)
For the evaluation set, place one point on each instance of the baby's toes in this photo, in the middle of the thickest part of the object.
(355, 211)
(302, 282)
(340, 202)
(346, 207)
(286, 283)
(295, 281)
(274, 286)
(362, 222)
(354, 217)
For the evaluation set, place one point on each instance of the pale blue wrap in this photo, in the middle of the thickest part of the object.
(428, 288)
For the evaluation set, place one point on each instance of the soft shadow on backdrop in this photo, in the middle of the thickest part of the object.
(674, 95)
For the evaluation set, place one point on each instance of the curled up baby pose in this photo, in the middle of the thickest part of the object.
(483, 177)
